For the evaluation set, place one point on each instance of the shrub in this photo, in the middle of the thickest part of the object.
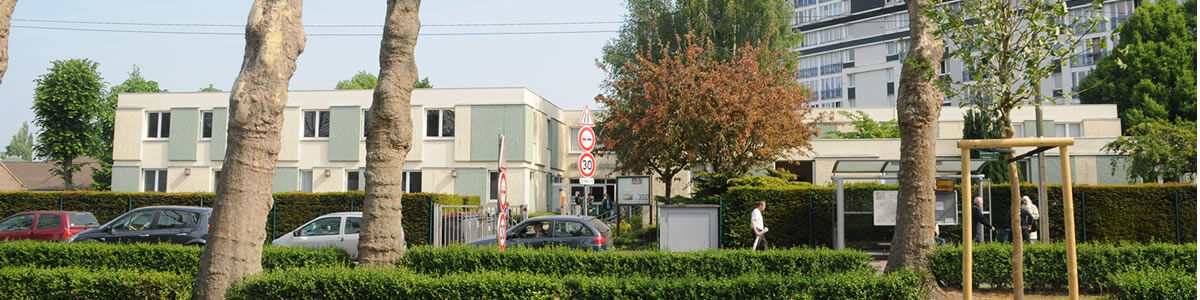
(150, 257)
(1046, 265)
(562, 261)
(372, 283)
(293, 209)
(78, 283)
(1154, 284)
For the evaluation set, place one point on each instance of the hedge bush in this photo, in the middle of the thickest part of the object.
(1154, 284)
(150, 257)
(293, 208)
(371, 283)
(1143, 213)
(78, 283)
(1046, 265)
(562, 261)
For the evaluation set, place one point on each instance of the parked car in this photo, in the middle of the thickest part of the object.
(583, 232)
(331, 230)
(183, 225)
(46, 225)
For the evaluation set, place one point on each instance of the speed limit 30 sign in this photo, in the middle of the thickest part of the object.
(587, 165)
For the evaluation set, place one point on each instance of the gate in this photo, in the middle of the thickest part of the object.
(464, 223)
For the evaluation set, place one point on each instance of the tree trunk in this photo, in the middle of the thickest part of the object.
(1018, 242)
(68, 174)
(274, 39)
(6, 11)
(389, 136)
(919, 106)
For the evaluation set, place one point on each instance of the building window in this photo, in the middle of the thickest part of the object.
(439, 123)
(411, 182)
(1067, 130)
(352, 180)
(306, 180)
(1018, 130)
(574, 140)
(899, 49)
(158, 125)
(1076, 78)
(896, 21)
(316, 124)
(494, 186)
(155, 181)
(831, 88)
(206, 124)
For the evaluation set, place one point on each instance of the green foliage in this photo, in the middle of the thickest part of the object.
(1046, 265)
(1103, 213)
(980, 123)
(867, 128)
(367, 81)
(563, 261)
(67, 105)
(380, 283)
(210, 88)
(1151, 74)
(1154, 284)
(21, 144)
(1158, 150)
(292, 209)
(636, 237)
(78, 283)
(171, 258)
(102, 176)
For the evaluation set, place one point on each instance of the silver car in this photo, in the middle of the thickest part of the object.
(570, 231)
(331, 230)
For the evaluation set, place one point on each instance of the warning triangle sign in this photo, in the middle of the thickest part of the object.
(585, 119)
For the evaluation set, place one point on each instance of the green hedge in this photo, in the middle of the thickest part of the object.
(1046, 265)
(371, 283)
(561, 261)
(293, 208)
(1154, 285)
(150, 257)
(1143, 213)
(77, 283)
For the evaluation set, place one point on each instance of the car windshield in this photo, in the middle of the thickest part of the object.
(83, 219)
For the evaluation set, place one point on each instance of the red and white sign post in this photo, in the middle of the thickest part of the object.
(502, 199)
(587, 141)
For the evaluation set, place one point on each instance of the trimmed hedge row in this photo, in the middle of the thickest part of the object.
(1046, 265)
(372, 283)
(151, 257)
(78, 283)
(293, 209)
(1154, 285)
(562, 261)
(1143, 213)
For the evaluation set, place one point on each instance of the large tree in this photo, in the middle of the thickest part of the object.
(66, 104)
(389, 136)
(1158, 151)
(918, 106)
(102, 176)
(1151, 74)
(274, 39)
(1011, 46)
(21, 144)
(366, 81)
(210, 88)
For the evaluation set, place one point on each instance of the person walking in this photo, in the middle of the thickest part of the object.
(758, 226)
(1033, 211)
(578, 204)
(562, 202)
(1027, 220)
(980, 222)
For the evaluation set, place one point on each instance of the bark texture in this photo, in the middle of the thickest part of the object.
(919, 106)
(274, 39)
(389, 136)
(1018, 241)
(6, 11)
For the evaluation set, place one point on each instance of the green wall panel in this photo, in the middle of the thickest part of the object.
(345, 132)
(220, 128)
(125, 178)
(1105, 170)
(185, 132)
(1053, 170)
(554, 131)
(287, 179)
(489, 121)
(472, 182)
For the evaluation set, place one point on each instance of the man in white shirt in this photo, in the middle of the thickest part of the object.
(760, 228)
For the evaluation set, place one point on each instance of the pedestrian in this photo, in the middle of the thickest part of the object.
(578, 203)
(1027, 220)
(607, 202)
(1033, 211)
(562, 202)
(937, 235)
(980, 222)
(759, 227)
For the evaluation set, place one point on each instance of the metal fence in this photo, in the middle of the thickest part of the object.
(464, 223)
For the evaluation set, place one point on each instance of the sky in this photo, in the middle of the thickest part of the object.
(559, 67)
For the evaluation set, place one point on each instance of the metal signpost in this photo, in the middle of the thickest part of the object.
(502, 198)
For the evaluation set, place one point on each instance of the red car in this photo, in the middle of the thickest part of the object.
(46, 225)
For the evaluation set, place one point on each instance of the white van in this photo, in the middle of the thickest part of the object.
(331, 230)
